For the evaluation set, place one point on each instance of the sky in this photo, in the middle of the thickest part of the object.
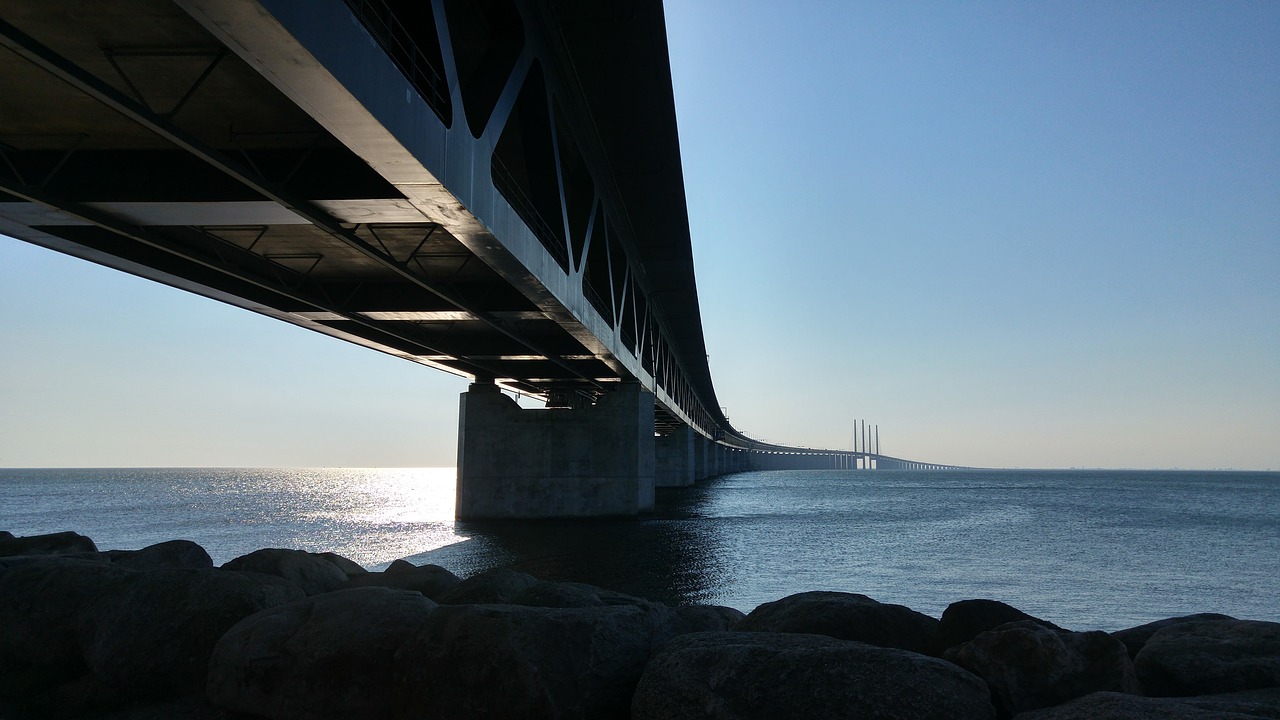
(1009, 234)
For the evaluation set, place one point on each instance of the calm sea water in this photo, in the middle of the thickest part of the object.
(1085, 549)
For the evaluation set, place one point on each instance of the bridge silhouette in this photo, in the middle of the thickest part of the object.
(492, 188)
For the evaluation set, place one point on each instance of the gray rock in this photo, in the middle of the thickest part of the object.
(1136, 637)
(1210, 656)
(773, 676)
(328, 656)
(962, 621)
(494, 587)
(508, 661)
(171, 555)
(846, 616)
(1030, 666)
(1119, 706)
(346, 565)
(52, 544)
(312, 573)
(706, 618)
(151, 636)
(430, 580)
(6, 535)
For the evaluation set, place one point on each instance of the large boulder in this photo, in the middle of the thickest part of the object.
(574, 594)
(171, 555)
(846, 616)
(311, 572)
(1210, 655)
(1136, 637)
(492, 587)
(963, 621)
(1030, 666)
(430, 580)
(61, 543)
(328, 656)
(151, 636)
(1119, 706)
(43, 606)
(774, 676)
(477, 661)
(345, 564)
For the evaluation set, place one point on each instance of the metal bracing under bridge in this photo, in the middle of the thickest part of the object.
(492, 188)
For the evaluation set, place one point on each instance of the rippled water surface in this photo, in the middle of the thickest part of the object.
(1085, 549)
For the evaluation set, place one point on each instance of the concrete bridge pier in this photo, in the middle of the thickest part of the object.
(675, 458)
(555, 462)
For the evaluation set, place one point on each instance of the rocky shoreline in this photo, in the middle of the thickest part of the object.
(283, 634)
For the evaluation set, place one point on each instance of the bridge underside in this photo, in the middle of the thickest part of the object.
(491, 188)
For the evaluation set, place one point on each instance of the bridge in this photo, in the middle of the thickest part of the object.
(488, 187)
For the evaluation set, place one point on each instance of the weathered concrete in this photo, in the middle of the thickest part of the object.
(674, 464)
(555, 462)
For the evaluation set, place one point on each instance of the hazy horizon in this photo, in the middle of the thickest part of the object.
(1013, 236)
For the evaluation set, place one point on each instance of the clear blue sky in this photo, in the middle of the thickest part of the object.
(1012, 234)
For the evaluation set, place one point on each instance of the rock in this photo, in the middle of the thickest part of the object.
(310, 572)
(346, 565)
(749, 675)
(1135, 638)
(1256, 703)
(52, 544)
(44, 605)
(430, 580)
(328, 656)
(495, 587)
(1119, 706)
(1210, 656)
(151, 636)
(6, 535)
(171, 555)
(1030, 666)
(846, 616)
(193, 707)
(704, 618)
(400, 566)
(572, 594)
(508, 661)
(962, 621)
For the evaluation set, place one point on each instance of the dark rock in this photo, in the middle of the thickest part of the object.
(1119, 706)
(1209, 656)
(6, 535)
(52, 544)
(401, 566)
(571, 594)
(963, 621)
(328, 656)
(151, 636)
(430, 580)
(346, 565)
(749, 675)
(310, 572)
(44, 606)
(507, 661)
(1030, 666)
(703, 618)
(1135, 637)
(193, 707)
(495, 587)
(171, 555)
(846, 616)
(1263, 703)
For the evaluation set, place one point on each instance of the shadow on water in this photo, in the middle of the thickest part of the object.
(672, 555)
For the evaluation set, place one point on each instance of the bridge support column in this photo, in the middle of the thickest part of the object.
(674, 460)
(554, 462)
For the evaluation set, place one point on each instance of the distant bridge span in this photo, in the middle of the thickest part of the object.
(488, 187)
